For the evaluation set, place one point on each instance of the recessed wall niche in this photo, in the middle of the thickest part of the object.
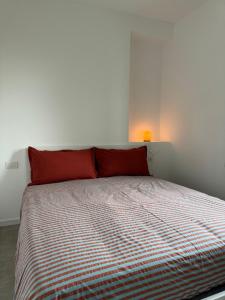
(145, 87)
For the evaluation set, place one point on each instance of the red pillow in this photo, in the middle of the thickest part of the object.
(55, 166)
(116, 162)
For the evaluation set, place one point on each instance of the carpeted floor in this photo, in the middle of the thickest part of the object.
(8, 238)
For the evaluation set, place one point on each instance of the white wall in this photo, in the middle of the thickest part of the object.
(145, 86)
(64, 80)
(193, 99)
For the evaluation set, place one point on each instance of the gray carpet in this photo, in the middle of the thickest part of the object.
(8, 238)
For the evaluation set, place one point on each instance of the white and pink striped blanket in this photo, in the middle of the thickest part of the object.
(119, 238)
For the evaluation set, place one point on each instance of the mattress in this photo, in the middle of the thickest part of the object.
(119, 238)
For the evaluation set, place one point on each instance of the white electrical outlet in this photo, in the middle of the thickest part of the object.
(12, 165)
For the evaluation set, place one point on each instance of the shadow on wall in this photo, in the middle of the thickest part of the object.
(161, 158)
(12, 185)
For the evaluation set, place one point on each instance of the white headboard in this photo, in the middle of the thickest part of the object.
(159, 156)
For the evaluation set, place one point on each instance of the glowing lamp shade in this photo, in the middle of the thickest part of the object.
(147, 136)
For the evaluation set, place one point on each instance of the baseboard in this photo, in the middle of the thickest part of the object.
(8, 222)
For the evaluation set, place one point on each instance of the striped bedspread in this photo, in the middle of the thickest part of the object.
(119, 238)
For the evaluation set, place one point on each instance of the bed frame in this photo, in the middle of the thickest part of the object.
(220, 296)
(159, 157)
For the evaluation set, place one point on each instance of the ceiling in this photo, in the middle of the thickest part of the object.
(164, 10)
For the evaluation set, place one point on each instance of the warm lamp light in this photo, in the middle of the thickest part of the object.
(147, 136)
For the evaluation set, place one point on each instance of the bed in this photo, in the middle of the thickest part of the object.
(119, 238)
